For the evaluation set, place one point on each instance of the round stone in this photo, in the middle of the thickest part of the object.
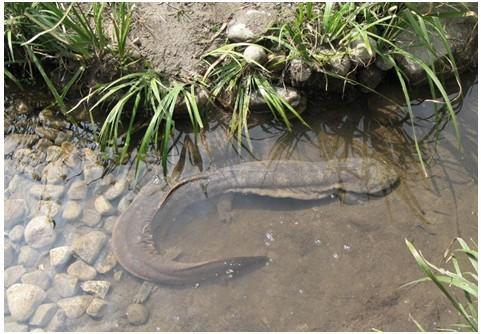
(97, 308)
(16, 233)
(124, 203)
(103, 206)
(47, 208)
(40, 232)
(77, 190)
(14, 210)
(92, 172)
(255, 53)
(137, 314)
(28, 256)
(40, 278)
(299, 71)
(249, 24)
(116, 190)
(91, 217)
(8, 254)
(47, 191)
(13, 274)
(65, 285)
(71, 210)
(23, 300)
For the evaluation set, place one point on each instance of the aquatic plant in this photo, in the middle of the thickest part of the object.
(446, 281)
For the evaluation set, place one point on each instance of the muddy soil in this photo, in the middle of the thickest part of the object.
(173, 36)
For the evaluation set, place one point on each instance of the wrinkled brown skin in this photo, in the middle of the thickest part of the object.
(302, 180)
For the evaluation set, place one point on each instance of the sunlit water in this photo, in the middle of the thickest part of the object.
(333, 266)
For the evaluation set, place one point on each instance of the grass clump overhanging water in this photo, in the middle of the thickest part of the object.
(337, 29)
(447, 281)
(235, 80)
(63, 43)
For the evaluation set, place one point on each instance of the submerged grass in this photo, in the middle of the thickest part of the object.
(465, 281)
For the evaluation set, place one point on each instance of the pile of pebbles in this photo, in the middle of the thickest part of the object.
(60, 210)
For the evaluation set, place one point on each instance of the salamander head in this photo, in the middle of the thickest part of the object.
(367, 176)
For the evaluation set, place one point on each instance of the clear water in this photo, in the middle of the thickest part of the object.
(335, 267)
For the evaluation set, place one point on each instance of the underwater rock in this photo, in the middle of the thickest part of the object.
(71, 211)
(40, 232)
(40, 278)
(43, 314)
(91, 217)
(47, 191)
(59, 255)
(103, 206)
(75, 307)
(77, 190)
(57, 324)
(13, 274)
(8, 254)
(23, 300)
(88, 246)
(137, 314)
(28, 256)
(97, 308)
(116, 190)
(47, 208)
(82, 271)
(98, 288)
(14, 210)
(16, 233)
(65, 285)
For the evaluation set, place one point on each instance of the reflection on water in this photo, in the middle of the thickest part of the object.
(333, 266)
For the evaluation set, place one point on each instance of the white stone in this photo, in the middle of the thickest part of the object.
(60, 255)
(13, 274)
(40, 278)
(77, 190)
(47, 208)
(116, 190)
(40, 232)
(82, 271)
(88, 246)
(65, 285)
(23, 299)
(28, 256)
(92, 172)
(14, 210)
(75, 307)
(71, 211)
(97, 308)
(98, 288)
(91, 217)
(47, 191)
(103, 206)
(255, 53)
(16, 233)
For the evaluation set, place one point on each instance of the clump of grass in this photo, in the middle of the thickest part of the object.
(39, 36)
(329, 28)
(445, 280)
(234, 80)
(146, 92)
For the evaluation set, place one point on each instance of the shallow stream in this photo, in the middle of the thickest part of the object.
(334, 266)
